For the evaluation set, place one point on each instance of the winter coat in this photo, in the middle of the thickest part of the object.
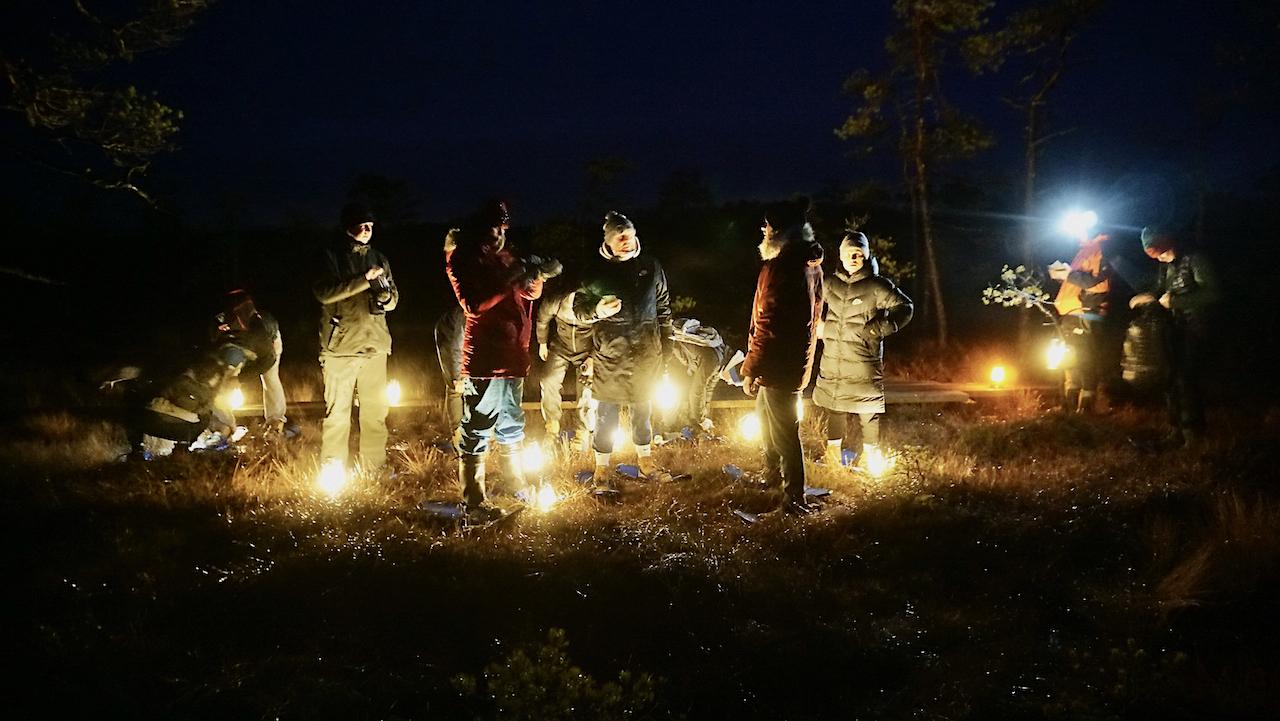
(353, 320)
(259, 336)
(785, 315)
(448, 334)
(1087, 289)
(1192, 285)
(496, 295)
(629, 347)
(862, 310)
(703, 355)
(571, 337)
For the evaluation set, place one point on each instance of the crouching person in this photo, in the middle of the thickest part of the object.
(496, 291)
(784, 332)
(626, 297)
(183, 407)
(862, 310)
(702, 353)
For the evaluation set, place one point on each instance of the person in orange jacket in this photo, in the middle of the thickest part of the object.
(1083, 302)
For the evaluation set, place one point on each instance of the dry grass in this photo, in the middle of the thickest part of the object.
(1011, 548)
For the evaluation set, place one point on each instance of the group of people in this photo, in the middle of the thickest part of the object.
(611, 324)
(1174, 309)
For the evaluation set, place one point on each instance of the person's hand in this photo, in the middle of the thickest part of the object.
(1141, 299)
(608, 306)
(542, 351)
(373, 273)
(1059, 271)
(1166, 300)
(589, 366)
(750, 385)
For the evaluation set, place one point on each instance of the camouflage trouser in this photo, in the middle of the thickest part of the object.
(344, 377)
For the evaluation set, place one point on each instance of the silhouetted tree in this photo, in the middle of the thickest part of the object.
(66, 111)
(908, 97)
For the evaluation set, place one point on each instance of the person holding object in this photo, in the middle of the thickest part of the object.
(243, 324)
(785, 315)
(862, 309)
(1187, 286)
(356, 290)
(1083, 302)
(703, 355)
(625, 296)
(564, 342)
(496, 291)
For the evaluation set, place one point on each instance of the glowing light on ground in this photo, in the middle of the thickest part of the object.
(532, 458)
(1056, 354)
(393, 392)
(749, 427)
(332, 479)
(235, 398)
(876, 462)
(666, 396)
(998, 375)
(546, 498)
(1078, 222)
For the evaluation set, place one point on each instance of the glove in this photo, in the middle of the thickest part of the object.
(537, 267)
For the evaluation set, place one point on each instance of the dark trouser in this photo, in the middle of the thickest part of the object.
(607, 422)
(780, 436)
(1185, 395)
(839, 424)
(1084, 337)
(559, 361)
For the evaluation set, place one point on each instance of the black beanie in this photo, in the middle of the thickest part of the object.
(355, 213)
(787, 214)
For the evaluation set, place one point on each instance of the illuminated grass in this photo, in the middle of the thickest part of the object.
(1015, 563)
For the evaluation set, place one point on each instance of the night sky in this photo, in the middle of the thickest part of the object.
(286, 102)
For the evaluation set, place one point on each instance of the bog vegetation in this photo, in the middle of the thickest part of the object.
(1018, 562)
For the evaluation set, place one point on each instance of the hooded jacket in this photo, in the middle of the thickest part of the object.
(497, 297)
(785, 313)
(1193, 287)
(571, 337)
(352, 321)
(628, 347)
(863, 308)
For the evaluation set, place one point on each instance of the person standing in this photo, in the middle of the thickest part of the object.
(356, 290)
(564, 342)
(625, 296)
(448, 338)
(862, 309)
(1187, 286)
(1082, 302)
(785, 315)
(496, 291)
(243, 324)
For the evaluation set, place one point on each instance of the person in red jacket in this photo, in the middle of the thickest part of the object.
(496, 291)
(780, 348)
(1083, 302)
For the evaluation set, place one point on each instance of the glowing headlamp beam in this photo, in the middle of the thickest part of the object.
(1077, 223)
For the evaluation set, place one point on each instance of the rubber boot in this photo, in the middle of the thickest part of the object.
(512, 466)
(1085, 403)
(650, 469)
(602, 478)
(1071, 400)
(833, 456)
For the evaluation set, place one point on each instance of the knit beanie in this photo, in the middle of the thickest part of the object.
(787, 214)
(616, 223)
(1155, 241)
(355, 213)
